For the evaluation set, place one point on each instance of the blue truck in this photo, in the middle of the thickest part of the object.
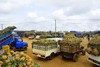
(78, 34)
(15, 42)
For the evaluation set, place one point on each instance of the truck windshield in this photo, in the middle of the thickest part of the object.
(19, 39)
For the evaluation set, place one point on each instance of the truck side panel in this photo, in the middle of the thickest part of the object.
(7, 39)
(94, 59)
(69, 48)
(45, 53)
(56, 50)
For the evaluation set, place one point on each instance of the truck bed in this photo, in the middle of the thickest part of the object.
(69, 48)
(6, 38)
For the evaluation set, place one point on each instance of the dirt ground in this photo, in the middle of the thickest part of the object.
(58, 61)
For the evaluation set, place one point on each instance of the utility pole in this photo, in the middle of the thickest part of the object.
(55, 28)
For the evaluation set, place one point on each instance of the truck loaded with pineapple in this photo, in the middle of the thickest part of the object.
(8, 38)
(93, 50)
(70, 47)
(46, 48)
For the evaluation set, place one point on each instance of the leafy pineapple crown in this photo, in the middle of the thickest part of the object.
(7, 29)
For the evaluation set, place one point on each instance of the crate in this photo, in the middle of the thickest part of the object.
(6, 48)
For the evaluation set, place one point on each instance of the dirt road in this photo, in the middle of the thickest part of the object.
(58, 61)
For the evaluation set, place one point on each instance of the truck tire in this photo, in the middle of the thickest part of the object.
(51, 56)
(63, 57)
(25, 48)
(83, 52)
(75, 57)
(14, 49)
(0, 48)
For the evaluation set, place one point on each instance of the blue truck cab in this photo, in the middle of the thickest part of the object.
(18, 44)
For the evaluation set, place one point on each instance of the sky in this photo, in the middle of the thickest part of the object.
(40, 15)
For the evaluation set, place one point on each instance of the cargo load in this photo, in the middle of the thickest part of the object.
(93, 50)
(8, 38)
(8, 29)
(70, 47)
(44, 42)
(94, 45)
(46, 48)
(71, 39)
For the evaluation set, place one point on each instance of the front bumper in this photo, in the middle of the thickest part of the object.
(94, 61)
(38, 55)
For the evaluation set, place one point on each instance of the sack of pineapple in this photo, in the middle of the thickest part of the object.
(69, 35)
(93, 51)
(44, 42)
(16, 59)
(72, 40)
(94, 46)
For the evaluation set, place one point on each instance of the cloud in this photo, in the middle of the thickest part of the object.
(95, 14)
(35, 18)
(40, 14)
(59, 14)
(81, 22)
(7, 6)
(32, 15)
(76, 6)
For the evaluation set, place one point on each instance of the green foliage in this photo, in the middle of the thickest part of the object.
(71, 39)
(95, 40)
(29, 34)
(45, 36)
(44, 42)
(7, 29)
(36, 65)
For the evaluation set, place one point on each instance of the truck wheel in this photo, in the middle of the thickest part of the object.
(25, 48)
(51, 56)
(0, 48)
(75, 57)
(63, 57)
(14, 49)
(83, 52)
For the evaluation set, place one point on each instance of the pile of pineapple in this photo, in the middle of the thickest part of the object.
(7, 29)
(71, 39)
(44, 42)
(95, 39)
(16, 59)
(94, 45)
